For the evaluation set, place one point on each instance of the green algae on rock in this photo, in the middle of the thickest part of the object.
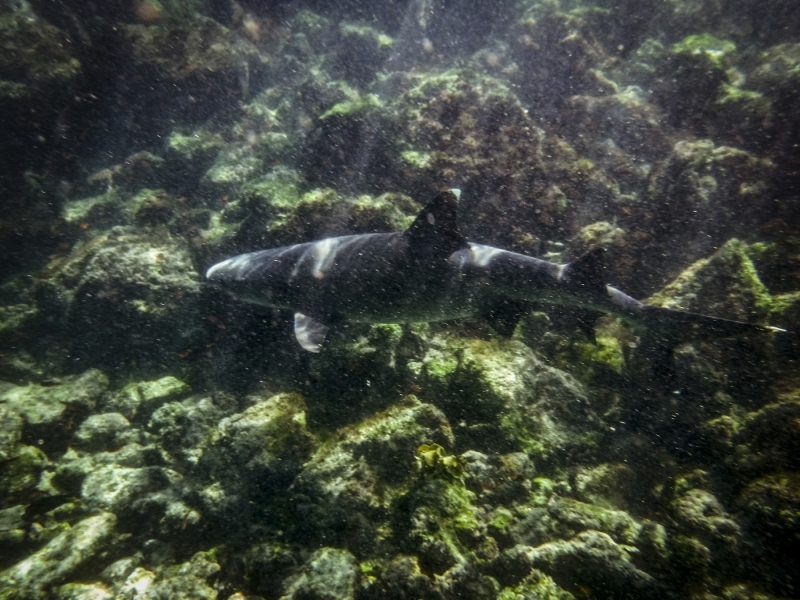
(506, 398)
(726, 283)
(59, 559)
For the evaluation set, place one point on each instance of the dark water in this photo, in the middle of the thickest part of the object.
(160, 438)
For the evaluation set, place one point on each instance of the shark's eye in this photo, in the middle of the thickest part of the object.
(431, 219)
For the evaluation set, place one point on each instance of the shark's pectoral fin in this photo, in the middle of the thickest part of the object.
(434, 234)
(504, 315)
(588, 272)
(309, 332)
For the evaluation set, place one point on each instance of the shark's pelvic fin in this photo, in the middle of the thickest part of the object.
(309, 332)
(434, 234)
(588, 272)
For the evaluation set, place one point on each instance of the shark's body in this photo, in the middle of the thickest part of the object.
(429, 273)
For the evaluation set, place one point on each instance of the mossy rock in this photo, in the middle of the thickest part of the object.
(726, 284)
(506, 398)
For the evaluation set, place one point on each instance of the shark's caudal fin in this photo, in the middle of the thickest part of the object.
(434, 234)
(675, 326)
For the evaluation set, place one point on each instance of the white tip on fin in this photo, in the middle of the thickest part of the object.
(309, 332)
(456, 193)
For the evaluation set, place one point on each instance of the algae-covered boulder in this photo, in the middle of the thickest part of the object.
(590, 559)
(49, 412)
(60, 558)
(776, 77)
(535, 585)
(362, 369)
(504, 398)
(11, 424)
(328, 574)
(725, 284)
(768, 440)
(141, 398)
(83, 591)
(250, 459)
(22, 469)
(210, 53)
(127, 297)
(699, 198)
(691, 75)
(771, 513)
(344, 491)
(361, 50)
(274, 210)
(558, 57)
(114, 488)
(102, 432)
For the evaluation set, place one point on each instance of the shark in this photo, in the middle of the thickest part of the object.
(430, 272)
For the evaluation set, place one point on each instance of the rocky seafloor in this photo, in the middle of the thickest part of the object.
(159, 439)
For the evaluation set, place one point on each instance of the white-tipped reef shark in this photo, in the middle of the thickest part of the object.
(431, 272)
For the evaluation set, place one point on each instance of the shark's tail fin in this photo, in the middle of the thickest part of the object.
(664, 329)
(676, 326)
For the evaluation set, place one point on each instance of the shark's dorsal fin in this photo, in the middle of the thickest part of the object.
(434, 234)
(309, 332)
(587, 272)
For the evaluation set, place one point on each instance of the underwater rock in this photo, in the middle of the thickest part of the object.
(360, 51)
(183, 427)
(768, 440)
(328, 574)
(622, 131)
(437, 521)
(61, 557)
(465, 126)
(498, 480)
(128, 297)
(741, 117)
(698, 512)
(11, 425)
(344, 490)
(591, 559)
(194, 578)
(49, 412)
(776, 77)
(101, 432)
(771, 516)
(363, 369)
(504, 398)
(142, 398)
(82, 591)
(250, 459)
(572, 516)
(38, 59)
(699, 198)
(118, 489)
(191, 579)
(690, 77)
(272, 211)
(558, 57)
(112, 186)
(608, 485)
(400, 578)
(22, 469)
(727, 284)
(197, 52)
(535, 585)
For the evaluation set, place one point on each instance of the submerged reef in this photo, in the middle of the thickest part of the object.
(161, 439)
